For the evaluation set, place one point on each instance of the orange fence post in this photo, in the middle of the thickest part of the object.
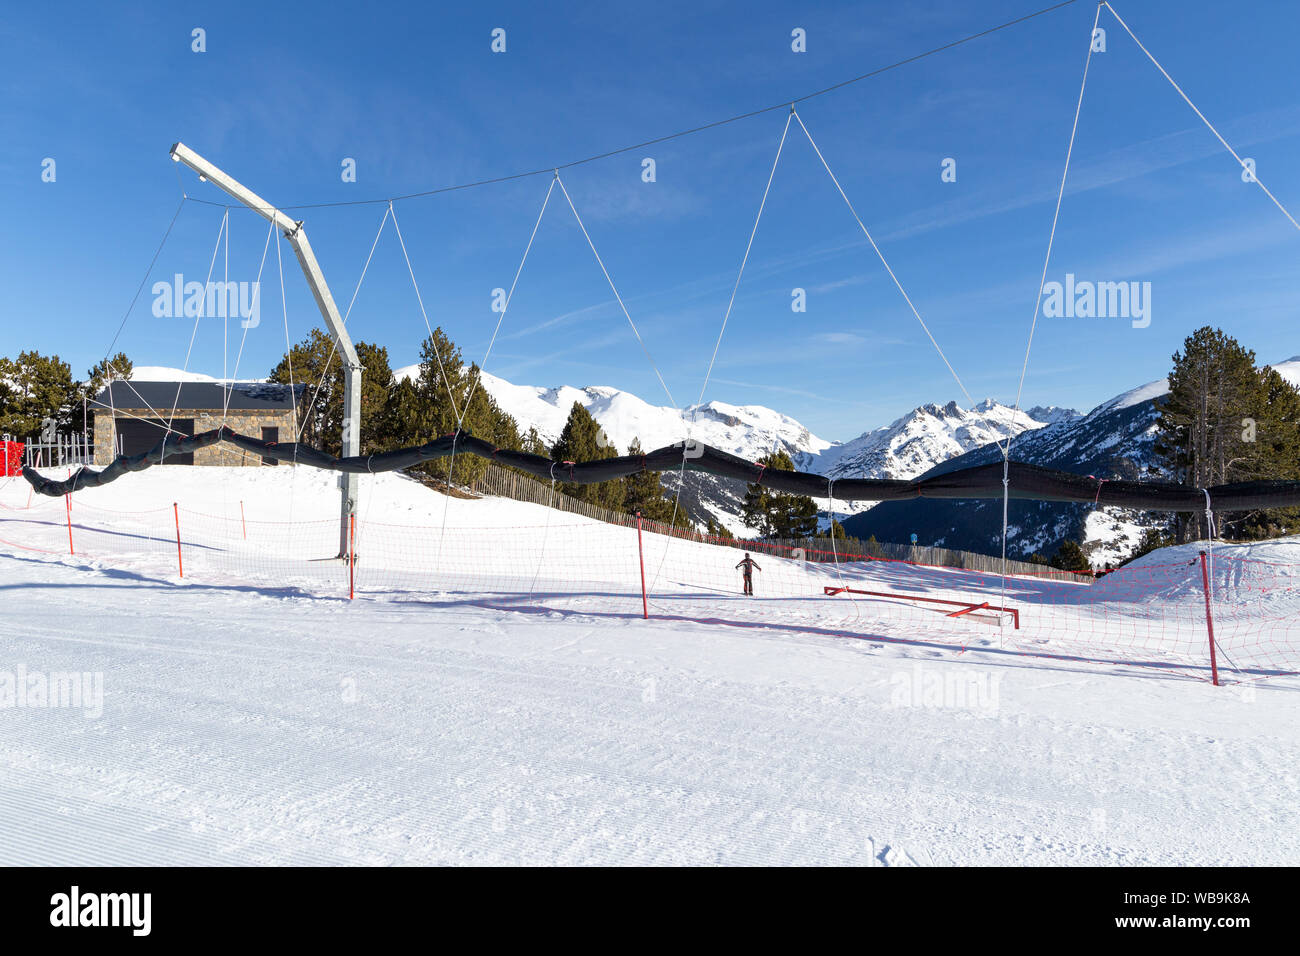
(352, 556)
(640, 551)
(1209, 619)
(242, 523)
(67, 500)
(176, 512)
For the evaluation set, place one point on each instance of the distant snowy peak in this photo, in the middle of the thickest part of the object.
(1051, 414)
(932, 434)
(746, 430)
(1134, 396)
(913, 444)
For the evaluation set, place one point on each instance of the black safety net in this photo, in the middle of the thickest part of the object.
(1024, 481)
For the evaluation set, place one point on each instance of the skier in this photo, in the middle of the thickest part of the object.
(748, 568)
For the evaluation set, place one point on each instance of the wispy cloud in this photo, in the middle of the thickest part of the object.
(785, 390)
(1134, 161)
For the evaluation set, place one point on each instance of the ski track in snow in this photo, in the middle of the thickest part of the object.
(481, 736)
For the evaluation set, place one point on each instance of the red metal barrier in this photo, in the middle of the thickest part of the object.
(11, 458)
(966, 606)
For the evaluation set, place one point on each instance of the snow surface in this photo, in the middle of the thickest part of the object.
(494, 696)
(163, 373)
(1135, 396)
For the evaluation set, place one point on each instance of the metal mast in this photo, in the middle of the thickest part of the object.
(293, 231)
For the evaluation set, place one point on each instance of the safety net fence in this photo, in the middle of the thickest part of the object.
(498, 553)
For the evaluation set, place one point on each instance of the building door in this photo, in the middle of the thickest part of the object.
(270, 434)
(139, 435)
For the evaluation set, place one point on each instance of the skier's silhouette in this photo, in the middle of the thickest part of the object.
(748, 567)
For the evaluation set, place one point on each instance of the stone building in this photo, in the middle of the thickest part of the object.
(132, 417)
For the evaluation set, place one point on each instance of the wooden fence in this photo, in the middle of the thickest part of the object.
(505, 483)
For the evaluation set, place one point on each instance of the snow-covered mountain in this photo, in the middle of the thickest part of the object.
(746, 430)
(749, 431)
(913, 444)
(931, 434)
(1114, 440)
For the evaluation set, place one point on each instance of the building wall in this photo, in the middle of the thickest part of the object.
(243, 421)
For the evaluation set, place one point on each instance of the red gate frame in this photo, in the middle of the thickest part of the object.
(966, 607)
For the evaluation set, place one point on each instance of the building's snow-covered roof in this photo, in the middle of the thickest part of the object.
(164, 396)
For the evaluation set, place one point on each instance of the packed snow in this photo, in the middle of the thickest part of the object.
(493, 695)
(163, 373)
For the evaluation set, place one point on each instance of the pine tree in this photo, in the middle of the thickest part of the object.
(84, 404)
(1226, 421)
(776, 515)
(583, 440)
(533, 444)
(33, 389)
(1151, 540)
(1275, 430)
(444, 394)
(315, 364)
(716, 529)
(376, 379)
(1070, 557)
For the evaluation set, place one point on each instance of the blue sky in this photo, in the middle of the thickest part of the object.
(418, 99)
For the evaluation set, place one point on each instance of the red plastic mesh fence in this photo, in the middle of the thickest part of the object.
(1150, 614)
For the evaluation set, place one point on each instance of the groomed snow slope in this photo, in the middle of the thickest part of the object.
(452, 714)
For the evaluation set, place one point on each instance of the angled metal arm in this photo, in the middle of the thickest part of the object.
(293, 231)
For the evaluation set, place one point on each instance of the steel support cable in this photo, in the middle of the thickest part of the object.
(883, 261)
(1210, 126)
(254, 306)
(108, 356)
(189, 351)
(302, 425)
(600, 262)
(1051, 238)
(1038, 298)
(726, 316)
(692, 130)
(451, 397)
(460, 421)
(505, 307)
